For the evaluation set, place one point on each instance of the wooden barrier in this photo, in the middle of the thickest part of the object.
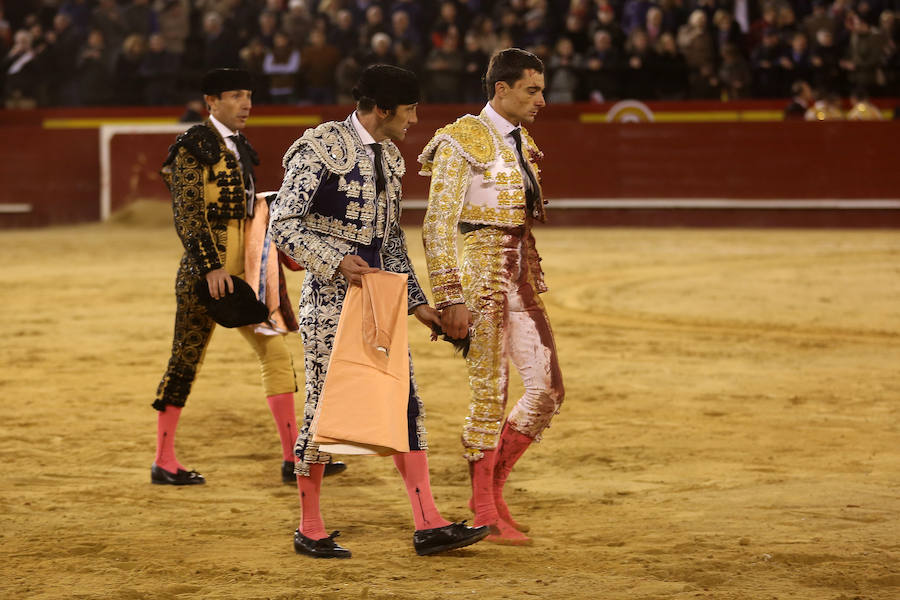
(740, 169)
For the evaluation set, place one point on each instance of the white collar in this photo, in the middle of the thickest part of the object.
(500, 122)
(224, 131)
(361, 131)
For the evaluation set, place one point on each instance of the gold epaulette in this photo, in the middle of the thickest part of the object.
(468, 136)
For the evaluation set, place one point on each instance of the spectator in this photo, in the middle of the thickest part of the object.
(475, 62)
(726, 31)
(297, 23)
(140, 18)
(93, 71)
(734, 74)
(381, 51)
(654, 25)
(863, 56)
(640, 66)
(174, 20)
(825, 60)
(765, 64)
(345, 77)
(576, 30)
(268, 28)
(786, 23)
(319, 60)
(535, 37)
(409, 58)
(345, 37)
(21, 73)
(819, 19)
(796, 61)
(79, 12)
(402, 30)
(220, 44)
(602, 69)
(107, 17)
(444, 70)
(158, 72)
(696, 45)
(448, 17)
(634, 15)
(801, 101)
(606, 22)
(671, 70)
(127, 83)
(483, 26)
(563, 69)
(767, 21)
(282, 67)
(251, 58)
(63, 52)
(374, 24)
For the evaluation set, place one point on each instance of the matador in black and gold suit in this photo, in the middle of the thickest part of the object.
(209, 172)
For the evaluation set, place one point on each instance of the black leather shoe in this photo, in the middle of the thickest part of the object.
(333, 468)
(324, 548)
(288, 476)
(160, 476)
(287, 472)
(448, 537)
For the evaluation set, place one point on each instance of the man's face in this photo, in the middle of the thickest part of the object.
(232, 108)
(402, 119)
(521, 102)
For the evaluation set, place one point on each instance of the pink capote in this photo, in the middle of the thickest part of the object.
(363, 405)
(254, 238)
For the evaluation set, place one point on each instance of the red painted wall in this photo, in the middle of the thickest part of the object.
(57, 170)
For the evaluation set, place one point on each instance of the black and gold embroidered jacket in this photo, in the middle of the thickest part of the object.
(327, 205)
(207, 190)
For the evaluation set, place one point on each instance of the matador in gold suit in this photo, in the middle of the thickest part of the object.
(485, 184)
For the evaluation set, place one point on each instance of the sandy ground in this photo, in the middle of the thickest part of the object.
(730, 431)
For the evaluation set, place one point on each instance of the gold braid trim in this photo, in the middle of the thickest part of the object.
(449, 182)
(469, 136)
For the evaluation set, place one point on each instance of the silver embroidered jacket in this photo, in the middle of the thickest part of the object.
(327, 206)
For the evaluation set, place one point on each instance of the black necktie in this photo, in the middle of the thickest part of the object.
(246, 168)
(379, 172)
(531, 191)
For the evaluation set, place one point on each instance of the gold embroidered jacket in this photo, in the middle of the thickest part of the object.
(327, 204)
(475, 178)
(207, 190)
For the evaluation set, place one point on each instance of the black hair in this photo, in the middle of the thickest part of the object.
(509, 65)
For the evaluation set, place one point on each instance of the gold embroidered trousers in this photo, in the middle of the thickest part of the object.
(511, 324)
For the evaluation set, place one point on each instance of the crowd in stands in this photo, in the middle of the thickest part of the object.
(152, 52)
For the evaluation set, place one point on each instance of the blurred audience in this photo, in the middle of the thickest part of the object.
(152, 52)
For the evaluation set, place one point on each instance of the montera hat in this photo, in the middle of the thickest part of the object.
(240, 307)
(387, 86)
(221, 80)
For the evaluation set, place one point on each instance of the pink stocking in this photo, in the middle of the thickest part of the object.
(282, 407)
(166, 423)
(310, 488)
(413, 467)
(510, 449)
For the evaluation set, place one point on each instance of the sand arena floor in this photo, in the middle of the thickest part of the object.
(730, 431)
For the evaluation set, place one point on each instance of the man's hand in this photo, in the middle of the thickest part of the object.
(455, 321)
(428, 316)
(219, 282)
(353, 267)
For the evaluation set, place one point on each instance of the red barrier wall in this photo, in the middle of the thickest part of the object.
(57, 170)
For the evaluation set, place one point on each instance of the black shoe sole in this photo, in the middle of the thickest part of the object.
(454, 545)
